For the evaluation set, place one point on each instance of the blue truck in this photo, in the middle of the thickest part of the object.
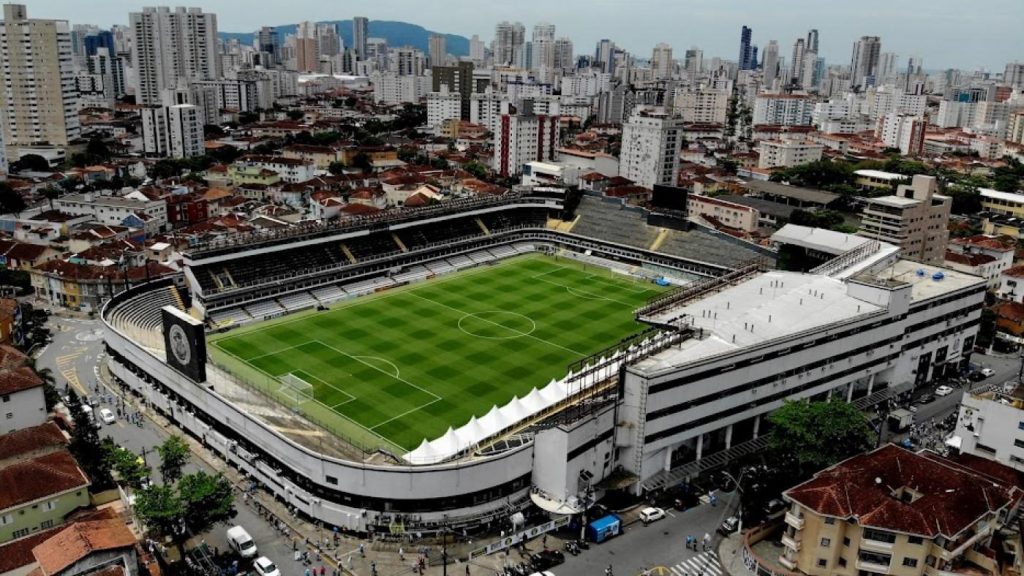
(604, 528)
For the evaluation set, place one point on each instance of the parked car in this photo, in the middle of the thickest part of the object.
(729, 526)
(546, 559)
(926, 399)
(986, 372)
(775, 505)
(264, 567)
(943, 390)
(648, 515)
(241, 542)
(107, 416)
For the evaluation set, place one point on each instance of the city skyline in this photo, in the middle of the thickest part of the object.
(935, 33)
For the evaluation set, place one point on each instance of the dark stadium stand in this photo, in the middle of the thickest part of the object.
(141, 317)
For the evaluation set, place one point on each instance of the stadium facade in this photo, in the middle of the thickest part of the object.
(740, 340)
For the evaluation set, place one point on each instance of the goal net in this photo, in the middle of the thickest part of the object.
(295, 389)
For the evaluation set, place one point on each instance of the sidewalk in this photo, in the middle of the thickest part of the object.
(730, 554)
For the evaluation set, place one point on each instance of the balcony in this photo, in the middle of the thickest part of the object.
(790, 542)
(876, 545)
(794, 520)
(872, 567)
(789, 564)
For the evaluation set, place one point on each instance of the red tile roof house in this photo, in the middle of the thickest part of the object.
(892, 511)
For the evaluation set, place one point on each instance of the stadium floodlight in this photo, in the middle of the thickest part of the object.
(295, 389)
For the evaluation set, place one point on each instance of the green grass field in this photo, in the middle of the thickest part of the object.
(405, 364)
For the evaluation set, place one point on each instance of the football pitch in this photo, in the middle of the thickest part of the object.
(393, 368)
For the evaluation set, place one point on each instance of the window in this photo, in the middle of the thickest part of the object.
(822, 562)
(879, 535)
(46, 524)
(20, 533)
(910, 562)
(50, 505)
(914, 540)
(875, 558)
(842, 562)
(6, 519)
(6, 397)
(826, 542)
(846, 541)
(10, 415)
(332, 480)
(1018, 443)
(830, 520)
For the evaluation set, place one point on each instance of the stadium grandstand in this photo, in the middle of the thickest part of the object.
(460, 362)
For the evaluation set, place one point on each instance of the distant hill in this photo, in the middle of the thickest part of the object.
(396, 33)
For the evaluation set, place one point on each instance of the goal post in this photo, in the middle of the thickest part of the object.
(295, 389)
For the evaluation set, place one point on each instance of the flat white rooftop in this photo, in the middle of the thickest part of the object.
(922, 279)
(999, 195)
(819, 239)
(769, 306)
(897, 201)
(881, 175)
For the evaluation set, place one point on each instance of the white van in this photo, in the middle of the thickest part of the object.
(92, 417)
(241, 542)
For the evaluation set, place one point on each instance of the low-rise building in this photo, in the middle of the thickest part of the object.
(982, 255)
(892, 511)
(878, 180)
(915, 219)
(289, 169)
(21, 399)
(787, 152)
(113, 210)
(86, 547)
(38, 492)
(1005, 203)
(721, 212)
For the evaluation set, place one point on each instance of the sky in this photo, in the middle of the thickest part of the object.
(945, 33)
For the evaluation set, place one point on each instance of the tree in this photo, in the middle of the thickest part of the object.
(160, 510)
(362, 161)
(174, 453)
(51, 194)
(130, 468)
(336, 168)
(85, 445)
(296, 114)
(810, 436)
(31, 162)
(478, 170)
(50, 394)
(206, 500)
(11, 201)
(213, 131)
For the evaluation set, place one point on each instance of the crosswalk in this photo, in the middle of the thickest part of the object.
(703, 564)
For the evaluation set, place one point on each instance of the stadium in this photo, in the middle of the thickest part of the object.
(460, 362)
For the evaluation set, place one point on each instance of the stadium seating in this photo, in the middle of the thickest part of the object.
(141, 316)
(613, 222)
(297, 301)
(264, 309)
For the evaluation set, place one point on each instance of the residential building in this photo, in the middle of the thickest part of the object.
(521, 138)
(307, 59)
(878, 180)
(112, 210)
(393, 88)
(438, 50)
(328, 42)
(509, 44)
(864, 61)
(915, 219)
(360, 35)
(289, 169)
(21, 401)
(661, 61)
(693, 61)
(110, 69)
(564, 57)
(1007, 203)
(989, 256)
(38, 94)
(651, 140)
(86, 287)
(459, 80)
(1011, 284)
(787, 152)
(783, 109)
(893, 511)
(170, 45)
(442, 106)
(86, 545)
(722, 213)
(172, 131)
(701, 105)
(487, 109)
(902, 131)
(39, 491)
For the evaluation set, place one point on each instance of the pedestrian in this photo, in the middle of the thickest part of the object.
(362, 550)
(373, 568)
(307, 572)
(401, 554)
(467, 569)
(350, 562)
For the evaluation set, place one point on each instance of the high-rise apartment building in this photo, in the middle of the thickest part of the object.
(651, 140)
(604, 56)
(38, 92)
(306, 57)
(702, 105)
(1013, 75)
(661, 61)
(812, 40)
(110, 70)
(522, 138)
(509, 44)
(693, 61)
(903, 131)
(783, 109)
(172, 44)
(915, 219)
(543, 47)
(864, 61)
(268, 46)
(747, 57)
(360, 34)
(796, 64)
(328, 42)
(564, 59)
(477, 49)
(438, 50)
(456, 79)
(770, 68)
(172, 131)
